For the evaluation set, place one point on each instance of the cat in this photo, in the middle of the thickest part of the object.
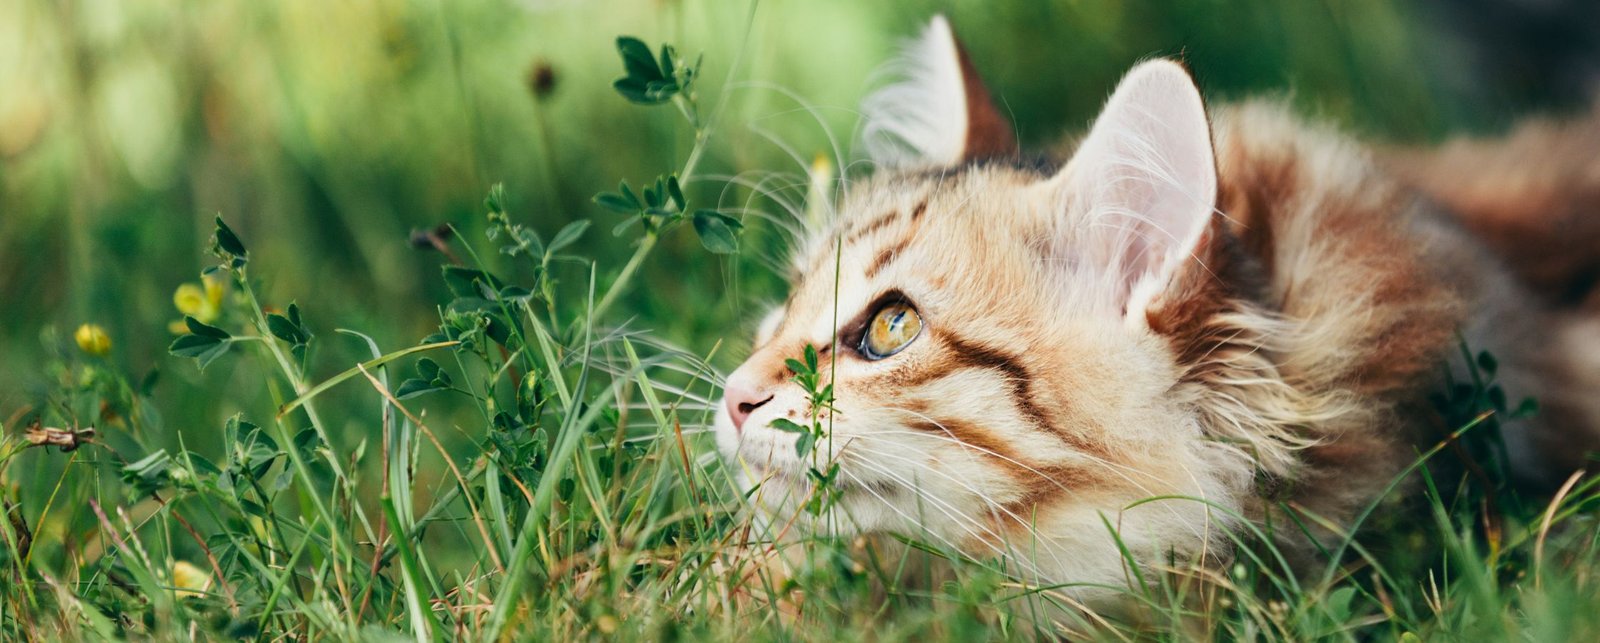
(1203, 312)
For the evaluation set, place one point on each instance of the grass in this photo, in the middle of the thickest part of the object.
(516, 447)
(589, 506)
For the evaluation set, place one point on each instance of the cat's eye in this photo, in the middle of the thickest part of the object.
(891, 330)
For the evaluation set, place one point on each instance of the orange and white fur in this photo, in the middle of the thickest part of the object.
(1199, 306)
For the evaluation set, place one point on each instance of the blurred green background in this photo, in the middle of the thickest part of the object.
(326, 132)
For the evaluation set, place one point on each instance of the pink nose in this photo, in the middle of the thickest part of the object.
(743, 399)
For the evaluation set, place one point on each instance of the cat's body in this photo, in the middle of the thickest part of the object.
(1091, 336)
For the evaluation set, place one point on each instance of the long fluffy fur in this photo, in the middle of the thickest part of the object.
(1289, 357)
(920, 116)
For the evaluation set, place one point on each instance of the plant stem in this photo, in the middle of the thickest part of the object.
(301, 469)
(702, 135)
(646, 244)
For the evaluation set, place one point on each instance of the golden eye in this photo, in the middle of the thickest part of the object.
(893, 328)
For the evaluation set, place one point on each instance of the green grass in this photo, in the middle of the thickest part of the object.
(587, 505)
(516, 446)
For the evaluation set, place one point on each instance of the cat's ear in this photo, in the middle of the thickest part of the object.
(937, 112)
(1140, 192)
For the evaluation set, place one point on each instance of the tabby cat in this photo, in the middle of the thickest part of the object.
(1201, 308)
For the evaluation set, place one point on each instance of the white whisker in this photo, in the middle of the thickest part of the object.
(993, 507)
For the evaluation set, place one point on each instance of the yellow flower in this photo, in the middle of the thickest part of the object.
(202, 301)
(189, 581)
(190, 300)
(92, 339)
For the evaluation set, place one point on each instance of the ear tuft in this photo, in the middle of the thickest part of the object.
(937, 112)
(1141, 189)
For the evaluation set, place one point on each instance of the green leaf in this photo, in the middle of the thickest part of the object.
(568, 235)
(1488, 363)
(718, 232)
(228, 241)
(802, 445)
(495, 202)
(202, 465)
(464, 305)
(467, 282)
(498, 329)
(203, 349)
(675, 191)
(432, 373)
(413, 387)
(307, 440)
(652, 92)
(788, 426)
(1529, 406)
(200, 328)
(530, 239)
(637, 60)
(647, 82)
(655, 196)
(205, 359)
(1337, 603)
(617, 230)
(237, 429)
(150, 472)
(147, 385)
(667, 64)
(616, 203)
(632, 90)
(283, 328)
(253, 508)
(515, 292)
(153, 464)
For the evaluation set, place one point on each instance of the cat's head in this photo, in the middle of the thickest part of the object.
(1005, 341)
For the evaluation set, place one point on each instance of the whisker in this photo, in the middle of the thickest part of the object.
(994, 508)
(945, 542)
(1109, 466)
(965, 523)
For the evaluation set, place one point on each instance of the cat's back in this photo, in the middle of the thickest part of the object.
(1376, 280)
(1382, 281)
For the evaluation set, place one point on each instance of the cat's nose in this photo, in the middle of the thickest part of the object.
(742, 399)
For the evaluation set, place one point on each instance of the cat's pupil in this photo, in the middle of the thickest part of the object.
(893, 328)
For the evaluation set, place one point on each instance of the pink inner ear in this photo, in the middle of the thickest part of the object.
(1143, 185)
